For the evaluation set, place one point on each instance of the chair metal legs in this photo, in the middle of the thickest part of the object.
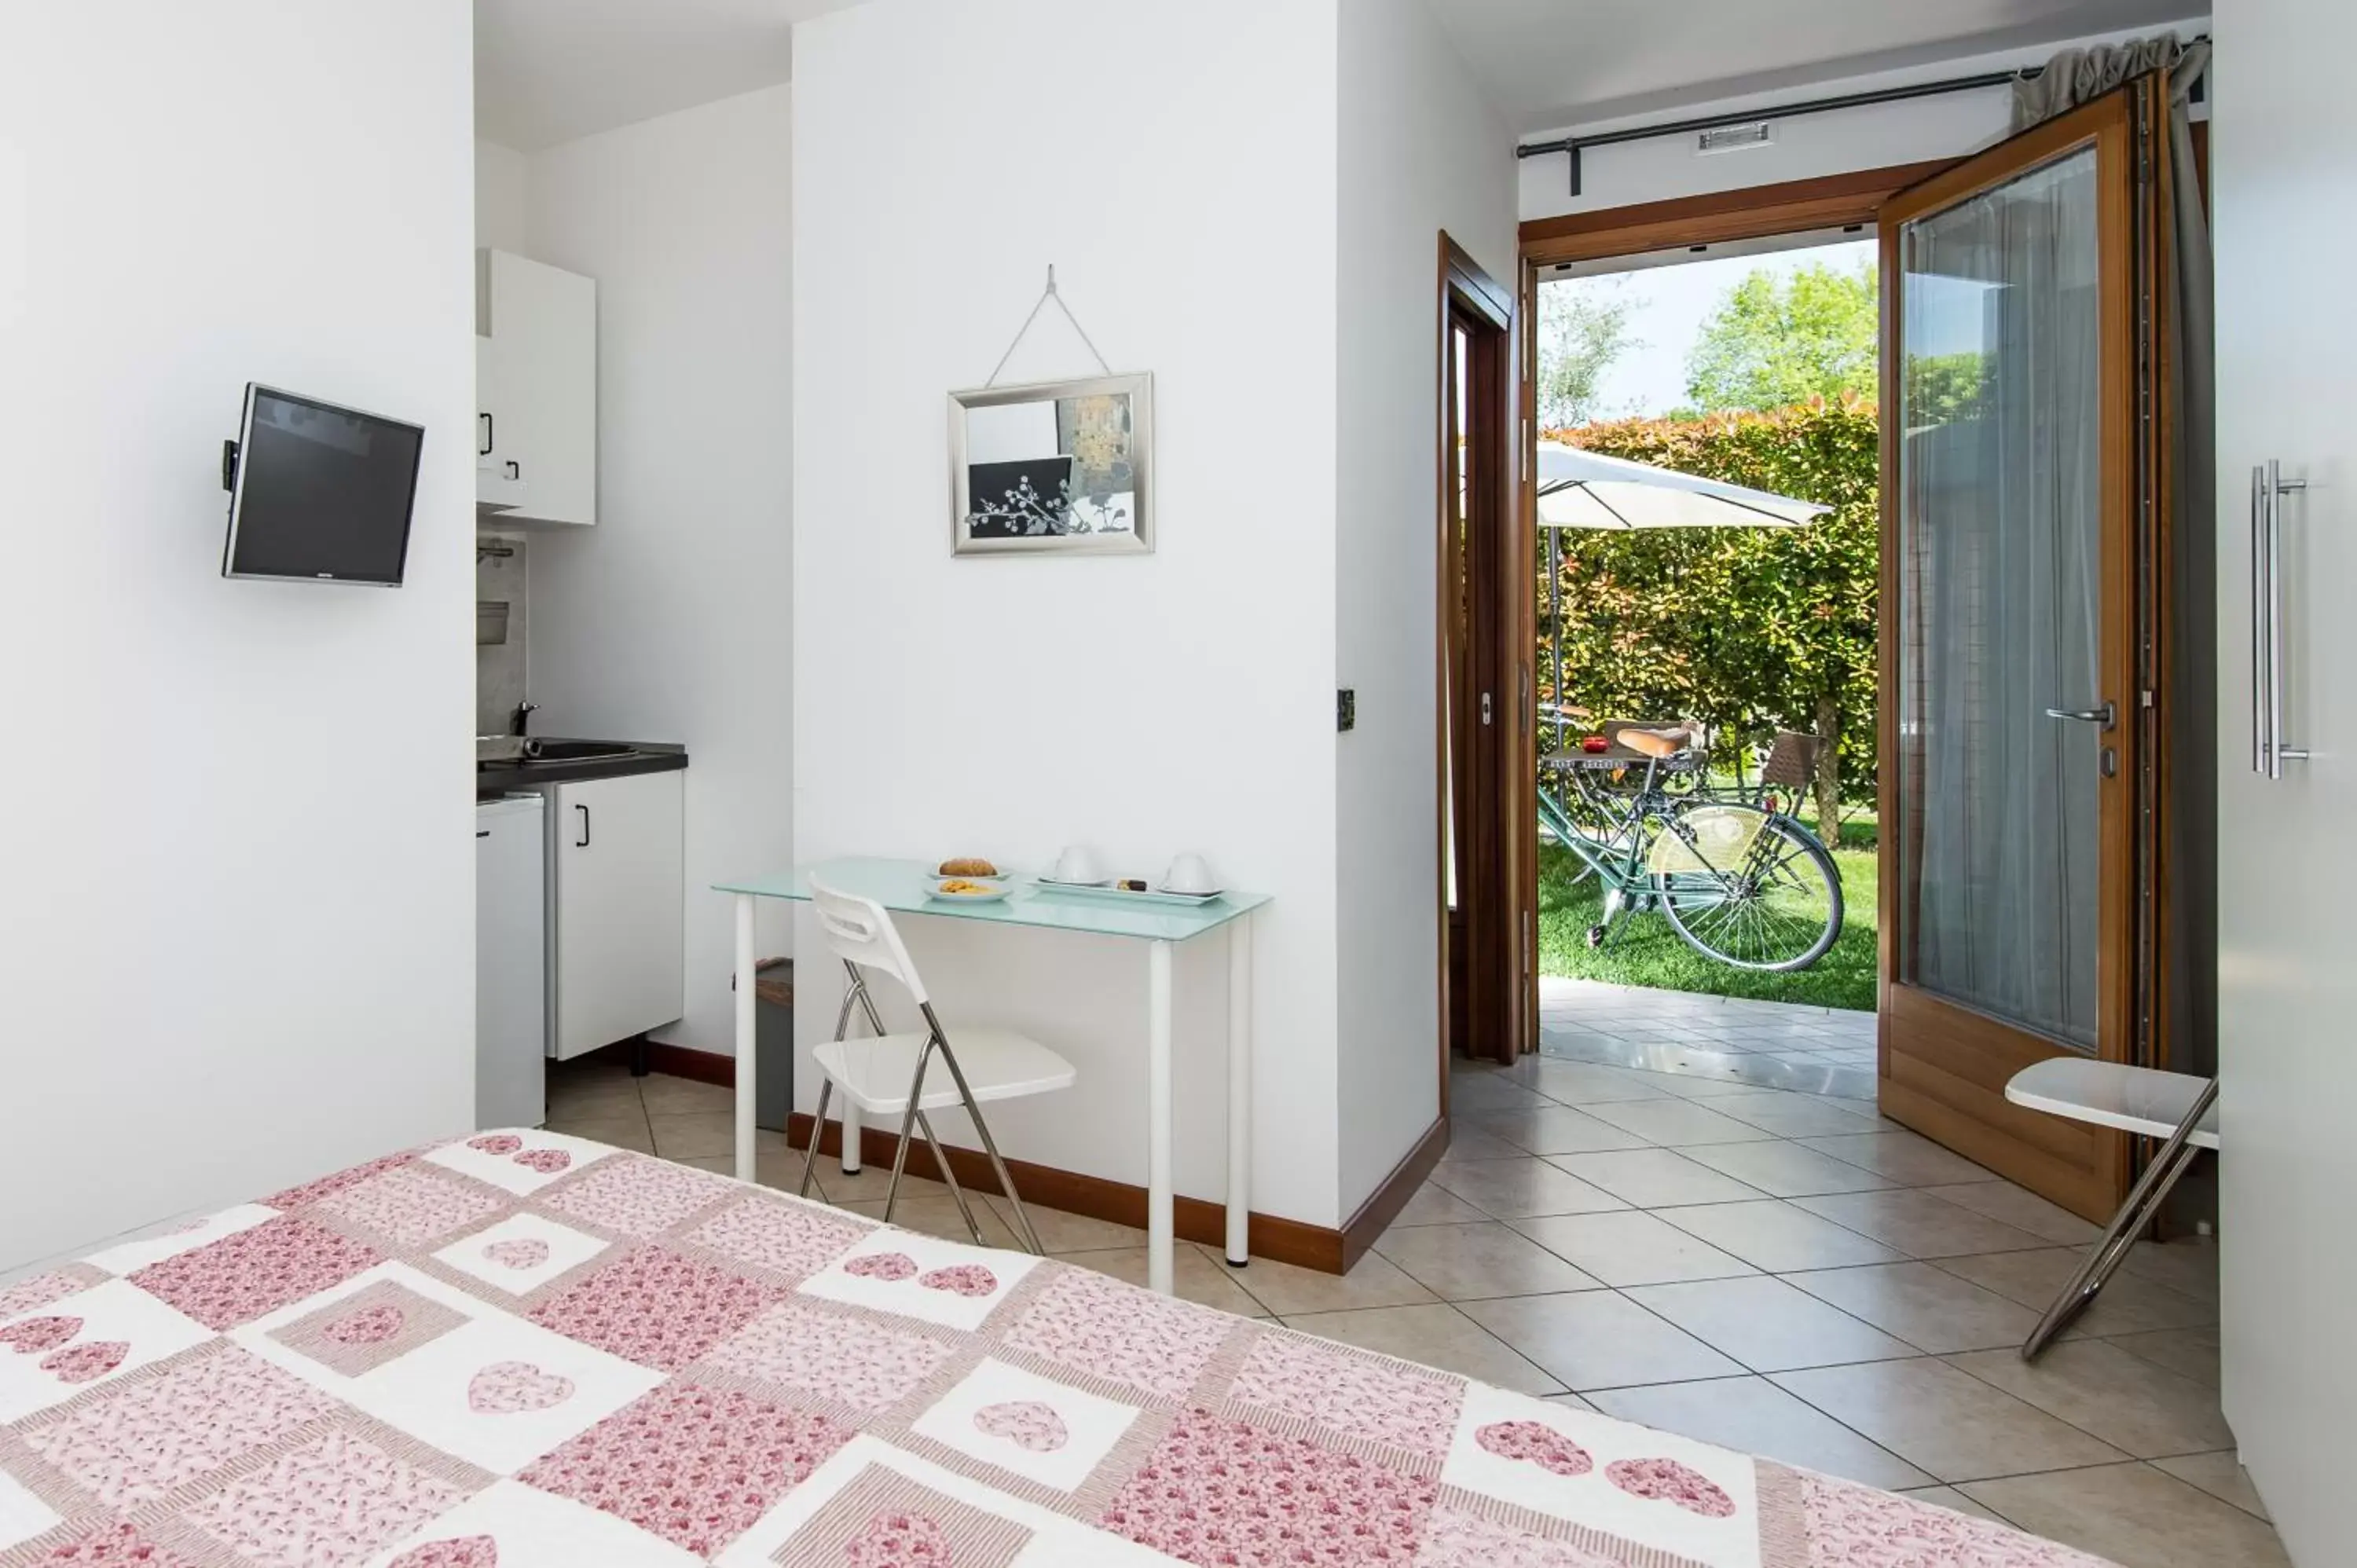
(2111, 1250)
(914, 1122)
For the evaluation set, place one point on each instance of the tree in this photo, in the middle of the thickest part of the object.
(1583, 327)
(1749, 629)
(1772, 342)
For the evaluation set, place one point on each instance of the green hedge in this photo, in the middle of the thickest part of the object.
(1753, 629)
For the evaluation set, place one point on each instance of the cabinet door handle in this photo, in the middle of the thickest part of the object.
(583, 842)
(515, 469)
(482, 832)
(490, 439)
(2270, 487)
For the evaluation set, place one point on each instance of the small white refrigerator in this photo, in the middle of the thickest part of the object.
(511, 998)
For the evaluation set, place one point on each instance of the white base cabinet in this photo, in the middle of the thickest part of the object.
(615, 903)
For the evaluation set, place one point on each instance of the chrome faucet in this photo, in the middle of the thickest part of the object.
(522, 717)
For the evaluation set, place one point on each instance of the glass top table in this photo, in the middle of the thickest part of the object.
(901, 886)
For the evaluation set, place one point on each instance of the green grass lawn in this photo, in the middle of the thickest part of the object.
(1644, 950)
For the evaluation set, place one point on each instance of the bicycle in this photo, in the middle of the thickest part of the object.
(1740, 883)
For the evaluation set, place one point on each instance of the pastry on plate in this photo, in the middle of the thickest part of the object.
(968, 865)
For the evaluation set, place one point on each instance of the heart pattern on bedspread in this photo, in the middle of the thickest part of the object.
(496, 1143)
(80, 1363)
(547, 1161)
(458, 1552)
(961, 1279)
(1029, 1424)
(514, 1388)
(1542, 1445)
(36, 1335)
(882, 1266)
(517, 1253)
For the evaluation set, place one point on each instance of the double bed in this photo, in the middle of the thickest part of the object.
(522, 1350)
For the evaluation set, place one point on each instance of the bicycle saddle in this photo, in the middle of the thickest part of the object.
(1653, 742)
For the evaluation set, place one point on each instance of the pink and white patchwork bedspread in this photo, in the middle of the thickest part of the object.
(525, 1350)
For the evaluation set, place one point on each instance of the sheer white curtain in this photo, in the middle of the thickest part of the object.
(2001, 563)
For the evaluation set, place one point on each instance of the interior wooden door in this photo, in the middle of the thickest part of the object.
(2015, 476)
(1488, 881)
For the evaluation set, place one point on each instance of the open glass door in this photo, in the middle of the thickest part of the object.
(2012, 475)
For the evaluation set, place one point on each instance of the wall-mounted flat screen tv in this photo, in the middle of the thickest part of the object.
(319, 493)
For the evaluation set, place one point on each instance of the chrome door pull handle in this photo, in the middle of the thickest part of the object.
(2105, 716)
(2269, 486)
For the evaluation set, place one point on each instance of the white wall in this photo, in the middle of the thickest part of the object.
(669, 620)
(236, 880)
(1838, 142)
(1421, 152)
(1144, 704)
(499, 177)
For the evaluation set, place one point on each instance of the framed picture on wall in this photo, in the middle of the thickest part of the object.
(1053, 467)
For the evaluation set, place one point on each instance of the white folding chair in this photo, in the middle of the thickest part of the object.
(884, 1074)
(2174, 1106)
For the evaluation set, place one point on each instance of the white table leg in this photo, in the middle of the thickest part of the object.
(1240, 1090)
(745, 1037)
(1159, 1229)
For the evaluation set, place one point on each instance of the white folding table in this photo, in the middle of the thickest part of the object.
(901, 886)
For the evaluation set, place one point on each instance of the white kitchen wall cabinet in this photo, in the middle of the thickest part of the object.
(536, 391)
(616, 907)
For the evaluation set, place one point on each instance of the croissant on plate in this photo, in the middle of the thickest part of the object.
(969, 865)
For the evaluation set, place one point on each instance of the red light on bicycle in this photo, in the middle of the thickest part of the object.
(1594, 743)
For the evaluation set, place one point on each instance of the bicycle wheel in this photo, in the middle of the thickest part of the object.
(1780, 907)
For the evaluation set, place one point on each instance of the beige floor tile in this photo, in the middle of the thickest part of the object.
(1193, 1277)
(1943, 1422)
(718, 1165)
(1511, 1189)
(1656, 1178)
(1285, 1289)
(1573, 1401)
(1468, 1142)
(1434, 1206)
(1769, 1326)
(2101, 1389)
(1902, 1156)
(2188, 1267)
(2022, 1210)
(1949, 1499)
(1785, 1169)
(1597, 1339)
(2188, 1352)
(1674, 1123)
(1690, 1086)
(1927, 1307)
(627, 1130)
(2137, 1516)
(1630, 1248)
(599, 1097)
(1062, 1232)
(1474, 1092)
(1792, 1115)
(939, 1216)
(2220, 1474)
(1559, 1130)
(1918, 1224)
(1578, 1084)
(1753, 1415)
(694, 1135)
(668, 1096)
(1461, 1263)
(870, 1183)
(1779, 1237)
(1438, 1336)
(2130, 1304)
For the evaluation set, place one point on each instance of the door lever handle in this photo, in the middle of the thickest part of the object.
(2105, 716)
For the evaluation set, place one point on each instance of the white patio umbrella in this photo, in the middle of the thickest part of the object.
(1586, 490)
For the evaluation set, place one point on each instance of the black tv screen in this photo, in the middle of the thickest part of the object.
(319, 493)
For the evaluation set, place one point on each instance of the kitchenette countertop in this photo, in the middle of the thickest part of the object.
(493, 779)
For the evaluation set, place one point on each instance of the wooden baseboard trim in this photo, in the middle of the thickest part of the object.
(1195, 1220)
(1384, 1204)
(675, 1061)
(1329, 1252)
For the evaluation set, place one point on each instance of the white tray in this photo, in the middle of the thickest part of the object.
(1124, 895)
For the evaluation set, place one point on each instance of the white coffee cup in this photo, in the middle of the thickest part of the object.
(1190, 873)
(1076, 863)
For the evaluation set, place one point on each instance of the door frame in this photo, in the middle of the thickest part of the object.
(1960, 1100)
(1501, 926)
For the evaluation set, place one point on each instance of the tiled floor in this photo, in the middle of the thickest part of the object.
(1781, 1273)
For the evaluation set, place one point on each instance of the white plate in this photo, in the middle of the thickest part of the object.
(997, 890)
(1059, 882)
(1150, 896)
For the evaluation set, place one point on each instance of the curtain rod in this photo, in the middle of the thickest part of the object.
(1574, 145)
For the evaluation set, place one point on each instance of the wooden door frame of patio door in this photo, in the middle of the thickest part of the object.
(1958, 1098)
(1497, 874)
